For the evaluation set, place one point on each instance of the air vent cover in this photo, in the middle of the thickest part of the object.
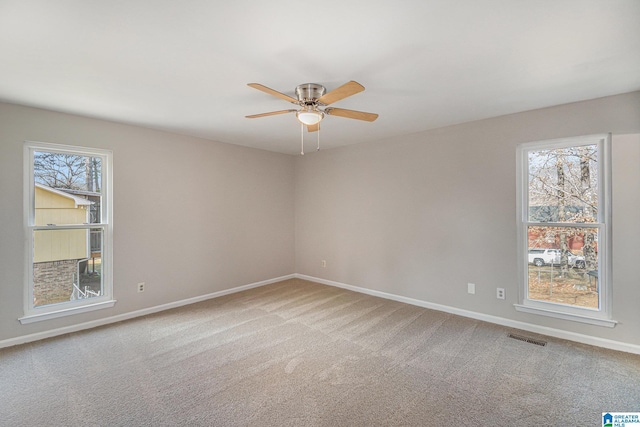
(527, 339)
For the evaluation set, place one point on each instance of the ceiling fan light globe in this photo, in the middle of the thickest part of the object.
(309, 117)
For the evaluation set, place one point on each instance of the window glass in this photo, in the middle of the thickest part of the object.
(568, 277)
(563, 184)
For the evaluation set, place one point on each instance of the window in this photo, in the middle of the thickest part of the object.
(564, 229)
(68, 230)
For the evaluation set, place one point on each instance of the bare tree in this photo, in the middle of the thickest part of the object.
(588, 249)
(562, 206)
(67, 171)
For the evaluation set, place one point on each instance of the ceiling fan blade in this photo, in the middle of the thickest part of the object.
(347, 89)
(273, 92)
(272, 113)
(351, 114)
(313, 128)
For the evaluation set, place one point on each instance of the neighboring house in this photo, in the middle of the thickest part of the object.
(574, 242)
(57, 253)
(545, 213)
(57, 207)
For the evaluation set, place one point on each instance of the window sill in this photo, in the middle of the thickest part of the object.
(566, 316)
(32, 318)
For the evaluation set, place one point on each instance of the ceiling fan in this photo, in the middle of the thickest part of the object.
(313, 100)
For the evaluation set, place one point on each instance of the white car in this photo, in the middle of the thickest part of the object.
(576, 261)
(542, 256)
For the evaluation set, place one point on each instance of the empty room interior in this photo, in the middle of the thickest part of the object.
(343, 213)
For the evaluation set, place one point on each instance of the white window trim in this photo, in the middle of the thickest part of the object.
(36, 314)
(603, 315)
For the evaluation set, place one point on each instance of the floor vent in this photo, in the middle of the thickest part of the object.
(529, 340)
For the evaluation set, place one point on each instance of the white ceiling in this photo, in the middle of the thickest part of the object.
(183, 66)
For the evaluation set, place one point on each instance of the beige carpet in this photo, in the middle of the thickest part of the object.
(297, 353)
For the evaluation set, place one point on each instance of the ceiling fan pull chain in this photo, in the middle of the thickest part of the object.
(318, 137)
(301, 139)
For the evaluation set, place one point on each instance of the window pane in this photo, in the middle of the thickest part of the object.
(66, 265)
(563, 265)
(67, 188)
(563, 184)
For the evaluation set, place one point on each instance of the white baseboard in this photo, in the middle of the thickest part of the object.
(543, 330)
(138, 313)
(557, 333)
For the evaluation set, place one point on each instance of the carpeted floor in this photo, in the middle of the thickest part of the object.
(297, 353)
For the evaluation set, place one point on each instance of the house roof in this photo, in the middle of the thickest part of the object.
(79, 201)
(184, 66)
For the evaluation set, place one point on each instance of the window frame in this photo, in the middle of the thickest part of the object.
(603, 315)
(52, 311)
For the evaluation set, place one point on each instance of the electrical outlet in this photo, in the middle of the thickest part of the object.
(324, 263)
(500, 294)
(471, 288)
(141, 287)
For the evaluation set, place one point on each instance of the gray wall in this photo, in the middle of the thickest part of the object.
(191, 216)
(419, 216)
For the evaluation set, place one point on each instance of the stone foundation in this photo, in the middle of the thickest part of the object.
(53, 281)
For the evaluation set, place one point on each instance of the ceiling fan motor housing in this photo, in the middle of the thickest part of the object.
(309, 92)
